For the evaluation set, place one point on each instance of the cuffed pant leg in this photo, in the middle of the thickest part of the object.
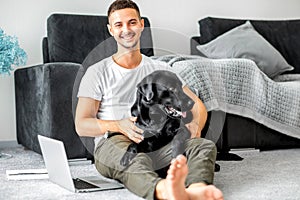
(138, 177)
(201, 156)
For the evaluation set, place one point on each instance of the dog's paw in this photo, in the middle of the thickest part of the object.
(127, 158)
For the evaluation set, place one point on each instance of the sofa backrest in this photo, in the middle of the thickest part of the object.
(71, 37)
(284, 35)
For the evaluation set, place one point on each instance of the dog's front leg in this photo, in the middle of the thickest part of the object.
(130, 154)
(178, 142)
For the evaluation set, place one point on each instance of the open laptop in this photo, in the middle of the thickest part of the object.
(56, 162)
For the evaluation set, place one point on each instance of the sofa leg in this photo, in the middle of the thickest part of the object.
(217, 167)
(228, 156)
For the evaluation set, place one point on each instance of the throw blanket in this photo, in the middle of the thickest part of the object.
(237, 86)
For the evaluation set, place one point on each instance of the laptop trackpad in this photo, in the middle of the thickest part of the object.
(80, 184)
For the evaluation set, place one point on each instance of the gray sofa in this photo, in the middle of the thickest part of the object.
(46, 93)
(241, 132)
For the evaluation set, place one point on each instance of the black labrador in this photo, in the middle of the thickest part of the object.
(162, 110)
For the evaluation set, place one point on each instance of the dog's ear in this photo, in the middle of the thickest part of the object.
(134, 109)
(146, 91)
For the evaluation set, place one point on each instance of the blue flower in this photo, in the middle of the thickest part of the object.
(10, 53)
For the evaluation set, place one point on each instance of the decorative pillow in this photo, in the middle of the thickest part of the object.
(245, 42)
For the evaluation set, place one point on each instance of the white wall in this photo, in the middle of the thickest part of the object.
(27, 20)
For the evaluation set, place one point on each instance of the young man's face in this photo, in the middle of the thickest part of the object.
(126, 27)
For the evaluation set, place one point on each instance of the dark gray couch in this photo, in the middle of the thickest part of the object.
(240, 132)
(46, 93)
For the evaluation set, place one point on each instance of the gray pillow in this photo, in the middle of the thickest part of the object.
(245, 42)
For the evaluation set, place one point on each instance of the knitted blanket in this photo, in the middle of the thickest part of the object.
(237, 86)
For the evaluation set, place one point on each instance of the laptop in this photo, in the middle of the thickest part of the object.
(56, 162)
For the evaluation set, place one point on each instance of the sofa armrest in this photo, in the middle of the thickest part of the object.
(194, 41)
(44, 106)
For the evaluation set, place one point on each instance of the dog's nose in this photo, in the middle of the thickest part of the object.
(190, 104)
(186, 102)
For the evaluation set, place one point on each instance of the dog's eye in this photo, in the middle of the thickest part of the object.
(172, 89)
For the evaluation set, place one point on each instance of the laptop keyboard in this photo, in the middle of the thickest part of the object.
(80, 184)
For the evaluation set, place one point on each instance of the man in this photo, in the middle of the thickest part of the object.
(106, 94)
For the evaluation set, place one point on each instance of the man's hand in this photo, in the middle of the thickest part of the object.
(128, 128)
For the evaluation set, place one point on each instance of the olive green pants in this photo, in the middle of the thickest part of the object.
(141, 175)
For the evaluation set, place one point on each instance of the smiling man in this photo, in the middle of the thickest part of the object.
(106, 94)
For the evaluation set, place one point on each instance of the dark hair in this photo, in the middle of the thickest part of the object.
(122, 4)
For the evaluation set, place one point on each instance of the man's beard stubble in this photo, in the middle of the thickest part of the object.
(124, 44)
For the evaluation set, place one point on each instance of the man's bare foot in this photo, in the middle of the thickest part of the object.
(204, 192)
(173, 187)
(175, 179)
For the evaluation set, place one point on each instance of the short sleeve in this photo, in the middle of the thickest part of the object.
(90, 85)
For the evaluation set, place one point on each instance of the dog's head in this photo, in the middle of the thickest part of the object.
(160, 94)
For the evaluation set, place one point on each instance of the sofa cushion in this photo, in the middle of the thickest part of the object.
(283, 35)
(245, 42)
(72, 37)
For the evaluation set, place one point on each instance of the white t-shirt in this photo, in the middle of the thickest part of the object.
(115, 86)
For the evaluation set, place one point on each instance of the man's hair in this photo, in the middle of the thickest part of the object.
(122, 4)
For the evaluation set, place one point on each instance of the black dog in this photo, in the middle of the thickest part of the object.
(162, 110)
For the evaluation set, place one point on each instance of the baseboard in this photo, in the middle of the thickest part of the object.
(9, 143)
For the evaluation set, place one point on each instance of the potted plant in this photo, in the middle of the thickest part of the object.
(10, 53)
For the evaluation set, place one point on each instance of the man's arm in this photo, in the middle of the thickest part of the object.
(199, 114)
(87, 124)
